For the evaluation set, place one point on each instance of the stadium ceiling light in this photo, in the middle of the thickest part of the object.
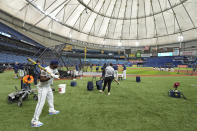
(104, 42)
(137, 43)
(50, 29)
(70, 35)
(119, 43)
(180, 38)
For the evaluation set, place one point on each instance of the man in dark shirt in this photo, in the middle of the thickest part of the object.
(15, 67)
(103, 70)
(77, 70)
(97, 69)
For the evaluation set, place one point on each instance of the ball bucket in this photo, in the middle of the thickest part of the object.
(62, 88)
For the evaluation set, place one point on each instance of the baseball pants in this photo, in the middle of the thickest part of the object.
(116, 74)
(43, 93)
(124, 74)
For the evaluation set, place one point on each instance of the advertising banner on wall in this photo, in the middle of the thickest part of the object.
(146, 55)
(68, 48)
(131, 55)
(186, 53)
(176, 52)
(138, 54)
(165, 54)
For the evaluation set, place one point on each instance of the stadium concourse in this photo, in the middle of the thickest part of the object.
(103, 65)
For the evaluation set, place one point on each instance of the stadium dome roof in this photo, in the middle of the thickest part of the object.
(111, 22)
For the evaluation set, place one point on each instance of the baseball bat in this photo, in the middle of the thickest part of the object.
(39, 66)
(116, 81)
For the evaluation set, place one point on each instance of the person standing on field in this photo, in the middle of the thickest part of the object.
(109, 76)
(115, 71)
(45, 92)
(124, 72)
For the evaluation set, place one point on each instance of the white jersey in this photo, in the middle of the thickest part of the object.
(109, 71)
(44, 73)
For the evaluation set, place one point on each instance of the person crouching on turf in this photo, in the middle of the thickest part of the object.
(109, 76)
(45, 91)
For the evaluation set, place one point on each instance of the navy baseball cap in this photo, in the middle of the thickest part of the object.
(54, 62)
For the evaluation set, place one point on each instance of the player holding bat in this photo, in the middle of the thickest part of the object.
(44, 91)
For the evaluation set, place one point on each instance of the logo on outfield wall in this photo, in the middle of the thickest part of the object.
(68, 48)
(138, 54)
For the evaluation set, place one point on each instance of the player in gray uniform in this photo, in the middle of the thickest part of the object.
(45, 91)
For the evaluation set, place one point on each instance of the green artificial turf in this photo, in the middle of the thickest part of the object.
(149, 72)
(189, 69)
(131, 106)
(138, 71)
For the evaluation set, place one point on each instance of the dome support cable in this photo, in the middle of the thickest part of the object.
(137, 20)
(163, 17)
(28, 3)
(110, 20)
(123, 23)
(72, 13)
(155, 26)
(33, 25)
(145, 18)
(93, 25)
(180, 30)
(117, 19)
(130, 18)
(156, 13)
(102, 7)
(189, 15)
(88, 17)
(24, 19)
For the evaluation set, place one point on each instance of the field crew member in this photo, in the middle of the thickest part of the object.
(124, 72)
(45, 91)
(109, 76)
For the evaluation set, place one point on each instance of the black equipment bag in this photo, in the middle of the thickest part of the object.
(63, 74)
(174, 93)
(138, 79)
(2, 68)
(90, 86)
(99, 84)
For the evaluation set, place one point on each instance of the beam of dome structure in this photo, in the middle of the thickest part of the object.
(148, 22)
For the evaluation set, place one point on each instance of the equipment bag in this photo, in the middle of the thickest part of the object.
(73, 83)
(90, 86)
(138, 79)
(99, 84)
(174, 93)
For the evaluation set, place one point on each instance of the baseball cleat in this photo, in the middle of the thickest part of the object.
(54, 112)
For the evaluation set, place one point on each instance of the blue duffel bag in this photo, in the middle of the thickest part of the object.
(99, 84)
(90, 86)
(73, 83)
